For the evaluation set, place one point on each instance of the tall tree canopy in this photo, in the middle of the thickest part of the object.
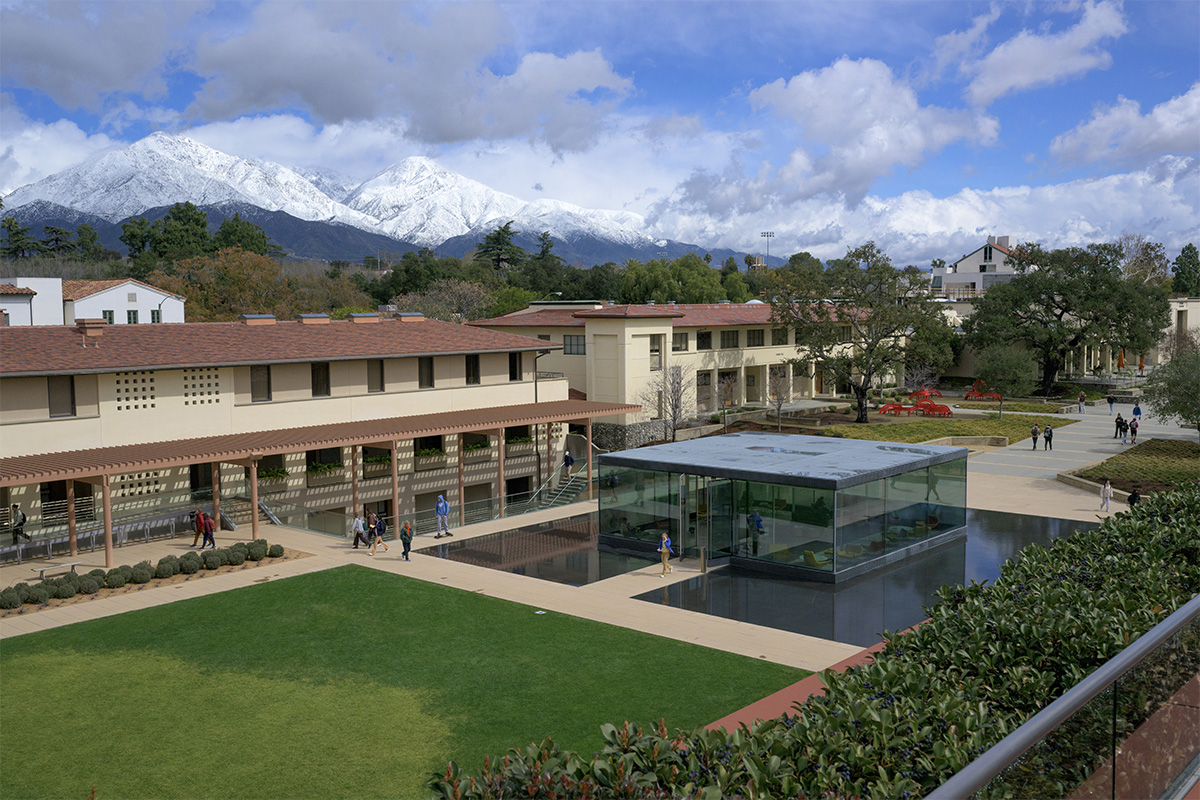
(499, 250)
(18, 240)
(237, 232)
(855, 318)
(1186, 269)
(1063, 299)
(182, 233)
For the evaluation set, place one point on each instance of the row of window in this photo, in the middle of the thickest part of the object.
(260, 375)
(575, 345)
(131, 316)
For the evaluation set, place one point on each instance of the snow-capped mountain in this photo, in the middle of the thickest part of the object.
(415, 202)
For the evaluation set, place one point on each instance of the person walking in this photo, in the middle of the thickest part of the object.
(406, 539)
(1048, 438)
(1137, 411)
(358, 528)
(380, 530)
(1135, 497)
(1120, 422)
(17, 519)
(1133, 429)
(664, 547)
(1123, 429)
(210, 528)
(1033, 433)
(441, 510)
(1111, 402)
(568, 462)
(198, 524)
(1082, 399)
(1106, 493)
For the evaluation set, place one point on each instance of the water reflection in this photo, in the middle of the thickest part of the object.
(857, 611)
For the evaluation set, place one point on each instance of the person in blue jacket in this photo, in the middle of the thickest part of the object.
(664, 547)
(442, 510)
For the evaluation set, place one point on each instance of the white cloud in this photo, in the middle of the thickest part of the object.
(866, 121)
(955, 48)
(32, 150)
(1034, 59)
(1121, 133)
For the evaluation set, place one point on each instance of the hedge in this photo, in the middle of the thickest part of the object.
(990, 656)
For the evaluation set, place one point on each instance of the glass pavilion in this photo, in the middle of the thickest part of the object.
(827, 508)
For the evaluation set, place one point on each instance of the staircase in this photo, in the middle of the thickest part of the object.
(237, 511)
(567, 492)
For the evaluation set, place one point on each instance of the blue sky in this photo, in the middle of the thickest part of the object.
(922, 126)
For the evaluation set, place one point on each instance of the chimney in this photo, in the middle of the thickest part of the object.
(410, 316)
(258, 319)
(363, 319)
(313, 319)
(1002, 241)
(90, 329)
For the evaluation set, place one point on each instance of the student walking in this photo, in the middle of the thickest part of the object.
(198, 524)
(406, 539)
(1117, 431)
(16, 519)
(568, 462)
(1106, 493)
(1133, 429)
(210, 527)
(1123, 429)
(441, 510)
(664, 547)
(1135, 497)
(358, 528)
(380, 530)
(1111, 402)
(1082, 399)
(1137, 411)
(1048, 438)
(1033, 433)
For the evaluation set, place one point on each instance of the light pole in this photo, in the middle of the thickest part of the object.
(165, 299)
(768, 235)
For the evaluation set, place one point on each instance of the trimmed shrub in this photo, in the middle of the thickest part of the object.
(126, 571)
(89, 585)
(9, 599)
(172, 561)
(64, 590)
(239, 546)
(142, 573)
(22, 590)
(164, 570)
(237, 555)
(115, 579)
(37, 596)
(190, 555)
(256, 552)
(222, 555)
(263, 542)
(275, 551)
(189, 566)
(210, 559)
(98, 573)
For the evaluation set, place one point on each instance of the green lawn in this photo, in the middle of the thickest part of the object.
(1151, 465)
(922, 429)
(344, 683)
(1011, 405)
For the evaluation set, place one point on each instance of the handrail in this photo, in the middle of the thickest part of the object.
(998, 757)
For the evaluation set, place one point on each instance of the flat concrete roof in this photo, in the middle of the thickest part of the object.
(817, 462)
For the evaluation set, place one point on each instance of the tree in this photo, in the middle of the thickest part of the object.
(448, 299)
(88, 242)
(855, 321)
(1008, 371)
(510, 299)
(227, 284)
(543, 272)
(931, 351)
(182, 233)
(1143, 260)
(641, 283)
(697, 282)
(1173, 389)
(58, 241)
(736, 290)
(727, 389)
(136, 235)
(1186, 268)
(18, 241)
(237, 232)
(499, 250)
(779, 389)
(1064, 299)
(670, 390)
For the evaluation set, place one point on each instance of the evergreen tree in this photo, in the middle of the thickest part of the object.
(58, 241)
(182, 233)
(18, 241)
(135, 235)
(499, 251)
(1186, 268)
(88, 243)
(237, 232)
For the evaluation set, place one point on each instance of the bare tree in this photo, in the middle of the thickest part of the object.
(779, 389)
(727, 386)
(920, 376)
(448, 299)
(1143, 260)
(671, 390)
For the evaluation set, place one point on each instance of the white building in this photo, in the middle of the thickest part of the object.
(55, 301)
(972, 274)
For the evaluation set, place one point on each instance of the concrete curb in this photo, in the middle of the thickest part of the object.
(1090, 486)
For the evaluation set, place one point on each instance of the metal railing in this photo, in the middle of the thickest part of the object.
(1092, 712)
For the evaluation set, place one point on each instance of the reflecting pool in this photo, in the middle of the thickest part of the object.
(857, 611)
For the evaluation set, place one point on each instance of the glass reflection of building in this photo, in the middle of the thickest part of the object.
(827, 508)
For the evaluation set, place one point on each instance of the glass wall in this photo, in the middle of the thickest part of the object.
(948, 494)
(784, 524)
(637, 504)
(861, 519)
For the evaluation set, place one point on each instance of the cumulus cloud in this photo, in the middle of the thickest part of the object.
(955, 49)
(80, 53)
(1040, 59)
(33, 150)
(867, 121)
(1121, 133)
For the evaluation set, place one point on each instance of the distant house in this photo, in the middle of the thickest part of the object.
(976, 271)
(55, 301)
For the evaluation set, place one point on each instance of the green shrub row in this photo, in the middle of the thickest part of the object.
(189, 563)
(990, 656)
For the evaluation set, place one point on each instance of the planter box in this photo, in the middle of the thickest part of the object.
(476, 456)
(377, 470)
(428, 463)
(328, 479)
(518, 449)
(272, 485)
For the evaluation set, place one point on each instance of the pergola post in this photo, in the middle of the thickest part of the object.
(72, 535)
(354, 478)
(395, 484)
(462, 506)
(500, 462)
(254, 498)
(216, 490)
(106, 492)
(549, 451)
(588, 424)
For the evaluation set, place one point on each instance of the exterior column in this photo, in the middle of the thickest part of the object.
(500, 462)
(549, 451)
(462, 508)
(354, 478)
(106, 491)
(395, 485)
(588, 425)
(72, 537)
(254, 498)
(216, 490)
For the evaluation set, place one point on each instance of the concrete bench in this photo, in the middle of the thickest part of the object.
(67, 567)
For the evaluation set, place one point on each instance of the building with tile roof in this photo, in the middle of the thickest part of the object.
(120, 301)
(16, 305)
(371, 412)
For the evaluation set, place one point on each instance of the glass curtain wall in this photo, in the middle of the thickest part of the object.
(784, 524)
(638, 504)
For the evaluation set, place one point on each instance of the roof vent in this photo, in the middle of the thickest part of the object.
(388, 310)
(363, 319)
(258, 319)
(410, 316)
(723, 303)
(649, 302)
(313, 319)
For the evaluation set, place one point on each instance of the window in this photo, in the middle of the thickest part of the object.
(260, 383)
(846, 333)
(427, 446)
(109, 317)
(729, 339)
(61, 395)
(574, 345)
(779, 336)
(375, 375)
(704, 379)
(656, 348)
(4, 319)
(327, 455)
(155, 315)
(679, 342)
(755, 338)
(320, 379)
(425, 372)
(514, 367)
(473, 369)
(545, 337)
(704, 340)
(131, 316)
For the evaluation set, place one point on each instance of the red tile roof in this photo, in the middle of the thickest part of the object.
(9, 289)
(77, 289)
(684, 315)
(60, 348)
